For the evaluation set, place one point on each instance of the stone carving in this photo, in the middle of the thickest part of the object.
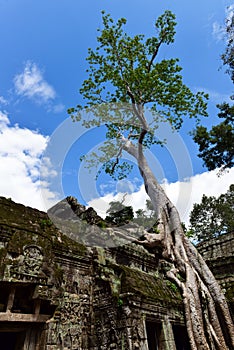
(138, 329)
(33, 259)
(98, 299)
(72, 321)
(27, 266)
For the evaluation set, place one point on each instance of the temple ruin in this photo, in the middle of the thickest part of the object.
(56, 292)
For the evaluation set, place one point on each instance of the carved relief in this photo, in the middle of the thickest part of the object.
(27, 267)
(33, 259)
(72, 317)
(137, 334)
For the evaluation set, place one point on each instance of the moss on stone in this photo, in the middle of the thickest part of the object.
(26, 225)
(150, 286)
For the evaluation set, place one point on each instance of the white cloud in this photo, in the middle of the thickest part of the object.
(215, 96)
(3, 101)
(183, 194)
(58, 108)
(229, 13)
(136, 199)
(31, 84)
(219, 30)
(20, 165)
(21, 151)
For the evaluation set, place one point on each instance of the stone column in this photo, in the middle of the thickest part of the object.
(11, 297)
(167, 341)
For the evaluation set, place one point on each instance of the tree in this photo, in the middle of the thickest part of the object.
(228, 55)
(119, 214)
(216, 146)
(124, 77)
(213, 216)
(146, 217)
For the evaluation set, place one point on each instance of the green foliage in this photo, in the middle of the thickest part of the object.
(188, 232)
(119, 214)
(228, 55)
(120, 303)
(216, 147)
(115, 206)
(102, 224)
(172, 286)
(123, 71)
(213, 216)
(44, 223)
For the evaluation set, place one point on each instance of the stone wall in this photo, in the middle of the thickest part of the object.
(45, 282)
(219, 255)
(58, 293)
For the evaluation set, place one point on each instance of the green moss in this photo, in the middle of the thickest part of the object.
(31, 226)
(120, 303)
(102, 224)
(151, 286)
(22, 226)
(172, 285)
(45, 223)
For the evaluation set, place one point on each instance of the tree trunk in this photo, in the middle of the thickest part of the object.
(208, 320)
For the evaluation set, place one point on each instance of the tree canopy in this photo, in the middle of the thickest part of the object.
(213, 216)
(216, 146)
(125, 70)
(119, 214)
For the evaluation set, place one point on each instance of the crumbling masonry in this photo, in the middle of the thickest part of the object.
(56, 292)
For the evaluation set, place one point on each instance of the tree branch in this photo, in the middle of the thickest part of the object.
(154, 55)
(117, 159)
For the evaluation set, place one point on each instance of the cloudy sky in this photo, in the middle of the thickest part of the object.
(42, 65)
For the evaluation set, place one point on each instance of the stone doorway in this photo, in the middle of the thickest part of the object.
(153, 331)
(12, 340)
(181, 337)
(22, 336)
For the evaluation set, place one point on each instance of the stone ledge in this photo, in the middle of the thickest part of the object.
(15, 317)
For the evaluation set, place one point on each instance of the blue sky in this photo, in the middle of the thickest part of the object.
(42, 65)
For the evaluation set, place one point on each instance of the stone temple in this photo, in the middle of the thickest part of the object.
(80, 285)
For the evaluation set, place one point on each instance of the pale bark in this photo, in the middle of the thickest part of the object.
(208, 320)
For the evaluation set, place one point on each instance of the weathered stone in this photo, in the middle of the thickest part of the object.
(219, 255)
(55, 293)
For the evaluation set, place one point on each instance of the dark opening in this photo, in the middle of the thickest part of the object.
(181, 338)
(23, 302)
(46, 308)
(153, 330)
(12, 340)
(4, 293)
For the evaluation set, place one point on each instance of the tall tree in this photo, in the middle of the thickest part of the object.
(124, 76)
(213, 216)
(216, 146)
(119, 214)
